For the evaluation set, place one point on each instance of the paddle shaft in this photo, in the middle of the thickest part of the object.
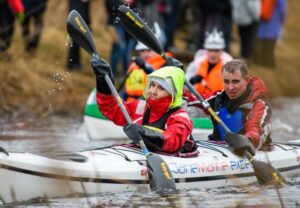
(123, 109)
(120, 87)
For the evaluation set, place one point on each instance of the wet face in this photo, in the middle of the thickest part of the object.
(214, 56)
(234, 84)
(156, 91)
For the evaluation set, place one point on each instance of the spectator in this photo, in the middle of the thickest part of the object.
(82, 7)
(246, 15)
(208, 76)
(8, 10)
(34, 11)
(169, 10)
(211, 16)
(269, 31)
(122, 42)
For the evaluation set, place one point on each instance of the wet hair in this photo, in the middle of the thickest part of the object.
(234, 65)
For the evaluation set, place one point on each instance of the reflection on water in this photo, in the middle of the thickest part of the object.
(60, 135)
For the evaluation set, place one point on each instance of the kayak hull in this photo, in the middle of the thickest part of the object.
(123, 168)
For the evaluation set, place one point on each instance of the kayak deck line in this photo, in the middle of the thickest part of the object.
(72, 178)
(121, 181)
(211, 147)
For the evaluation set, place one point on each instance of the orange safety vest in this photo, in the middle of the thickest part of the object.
(211, 81)
(267, 8)
(136, 81)
(156, 61)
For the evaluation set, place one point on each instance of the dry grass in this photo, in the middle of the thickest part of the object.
(41, 85)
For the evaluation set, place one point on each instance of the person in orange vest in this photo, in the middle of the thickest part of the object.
(145, 63)
(208, 76)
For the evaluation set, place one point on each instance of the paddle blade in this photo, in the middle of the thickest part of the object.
(80, 32)
(137, 28)
(160, 176)
(267, 174)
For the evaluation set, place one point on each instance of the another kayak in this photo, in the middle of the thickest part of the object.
(122, 167)
(99, 127)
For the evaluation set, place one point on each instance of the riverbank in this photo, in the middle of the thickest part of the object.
(40, 85)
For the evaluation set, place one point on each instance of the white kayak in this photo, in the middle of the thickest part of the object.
(99, 127)
(122, 167)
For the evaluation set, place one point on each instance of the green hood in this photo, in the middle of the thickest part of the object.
(175, 78)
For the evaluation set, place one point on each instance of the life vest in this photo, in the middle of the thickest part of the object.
(234, 121)
(136, 81)
(211, 81)
(189, 145)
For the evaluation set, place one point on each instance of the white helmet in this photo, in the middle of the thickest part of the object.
(159, 34)
(214, 40)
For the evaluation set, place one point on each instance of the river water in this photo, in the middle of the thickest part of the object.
(61, 135)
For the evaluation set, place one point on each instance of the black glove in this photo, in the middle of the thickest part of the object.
(143, 65)
(101, 68)
(195, 79)
(239, 144)
(154, 140)
(174, 62)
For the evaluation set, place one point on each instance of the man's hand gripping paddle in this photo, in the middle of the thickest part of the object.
(134, 25)
(160, 176)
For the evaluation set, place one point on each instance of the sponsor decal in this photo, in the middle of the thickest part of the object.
(137, 23)
(201, 167)
(240, 165)
(165, 171)
(81, 28)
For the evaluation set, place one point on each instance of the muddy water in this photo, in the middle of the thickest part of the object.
(60, 135)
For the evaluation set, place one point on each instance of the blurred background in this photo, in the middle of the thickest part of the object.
(39, 81)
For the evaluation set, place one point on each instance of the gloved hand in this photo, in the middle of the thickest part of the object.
(239, 144)
(195, 79)
(174, 62)
(154, 140)
(143, 65)
(101, 68)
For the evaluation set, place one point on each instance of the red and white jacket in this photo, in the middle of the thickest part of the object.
(257, 126)
(178, 126)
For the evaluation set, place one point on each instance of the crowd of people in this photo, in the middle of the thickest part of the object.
(238, 98)
(259, 25)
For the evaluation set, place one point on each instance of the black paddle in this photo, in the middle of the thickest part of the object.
(135, 26)
(160, 176)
